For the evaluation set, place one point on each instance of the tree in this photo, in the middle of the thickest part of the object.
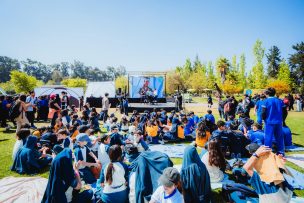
(8, 87)
(173, 81)
(78, 70)
(64, 68)
(241, 75)
(211, 77)
(258, 76)
(37, 69)
(296, 61)
(23, 83)
(198, 80)
(57, 77)
(284, 73)
(121, 82)
(273, 61)
(222, 68)
(74, 82)
(280, 86)
(7, 65)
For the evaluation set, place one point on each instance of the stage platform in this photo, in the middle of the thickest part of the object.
(141, 107)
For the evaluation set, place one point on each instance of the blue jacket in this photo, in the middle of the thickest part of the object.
(27, 158)
(60, 179)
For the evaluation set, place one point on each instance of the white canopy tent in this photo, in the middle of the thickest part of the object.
(73, 92)
(98, 89)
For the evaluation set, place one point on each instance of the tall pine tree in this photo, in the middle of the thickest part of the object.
(273, 61)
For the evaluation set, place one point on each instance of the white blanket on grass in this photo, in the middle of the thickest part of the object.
(172, 150)
(294, 148)
(22, 190)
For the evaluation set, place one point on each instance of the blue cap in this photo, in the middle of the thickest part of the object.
(82, 137)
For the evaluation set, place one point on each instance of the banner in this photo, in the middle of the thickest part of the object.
(141, 86)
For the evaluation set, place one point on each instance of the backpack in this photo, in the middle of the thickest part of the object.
(15, 110)
(227, 107)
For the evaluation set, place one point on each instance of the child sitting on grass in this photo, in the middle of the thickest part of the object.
(169, 189)
(82, 152)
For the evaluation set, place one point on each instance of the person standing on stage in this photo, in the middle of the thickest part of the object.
(105, 107)
(273, 111)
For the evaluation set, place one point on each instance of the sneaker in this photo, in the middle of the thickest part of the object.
(161, 142)
(34, 127)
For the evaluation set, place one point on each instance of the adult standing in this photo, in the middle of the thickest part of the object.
(105, 107)
(273, 111)
(55, 109)
(31, 109)
(258, 108)
(64, 100)
(291, 102)
(21, 118)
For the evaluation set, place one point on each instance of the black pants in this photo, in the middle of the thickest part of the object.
(105, 115)
(53, 122)
(30, 115)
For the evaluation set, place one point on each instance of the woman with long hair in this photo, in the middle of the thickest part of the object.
(202, 134)
(113, 183)
(215, 161)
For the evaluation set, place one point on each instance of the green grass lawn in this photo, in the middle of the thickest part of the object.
(294, 121)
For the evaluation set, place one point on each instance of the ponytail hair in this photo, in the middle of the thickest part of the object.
(115, 153)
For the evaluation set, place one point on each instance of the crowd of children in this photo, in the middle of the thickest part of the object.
(118, 166)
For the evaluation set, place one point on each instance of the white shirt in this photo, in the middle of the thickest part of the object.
(118, 177)
(105, 103)
(103, 156)
(216, 175)
(159, 196)
(17, 146)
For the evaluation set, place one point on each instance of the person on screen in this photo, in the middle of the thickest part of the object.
(145, 88)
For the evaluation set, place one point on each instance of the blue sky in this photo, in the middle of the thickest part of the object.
(144, 35)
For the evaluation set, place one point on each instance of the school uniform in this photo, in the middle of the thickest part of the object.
(273, 122)
(173, 133)
(258, 105)
(82, 153)
(269, 192)
(17, 146)
(201, 141)
(103, 154)
(145, 172)
(210, 118)
(62, 181)
(256, 136)
(159, 196)
(152, 132)
(116, 139)
(67, 143)
(215, 173)
(118, 190)
(287, 136)
(195, 177)
(27, 160)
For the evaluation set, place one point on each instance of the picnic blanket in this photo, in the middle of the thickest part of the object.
(172, 150)
(22, 190)
(297, 159)
(294, 148)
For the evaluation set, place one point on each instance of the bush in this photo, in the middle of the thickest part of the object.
(74, 82)
(280, 86)
(22, 82)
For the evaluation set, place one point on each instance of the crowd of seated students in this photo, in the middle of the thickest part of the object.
(80, 155)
